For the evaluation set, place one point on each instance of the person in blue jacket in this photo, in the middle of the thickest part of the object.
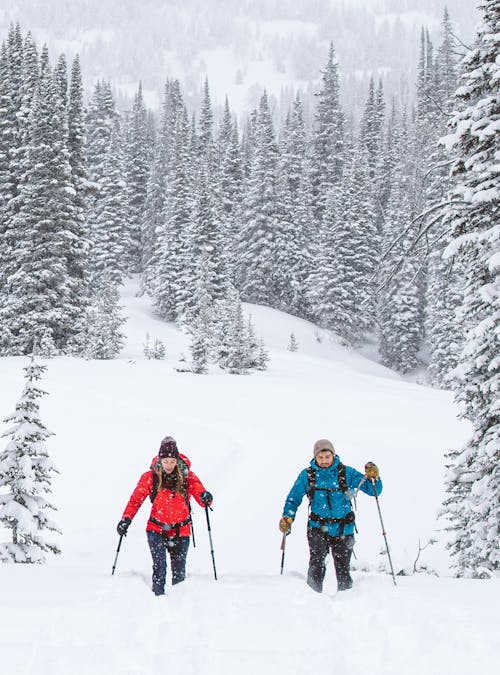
(329, 485)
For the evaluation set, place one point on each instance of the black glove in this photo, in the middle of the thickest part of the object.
(122, 526)
(206, 498)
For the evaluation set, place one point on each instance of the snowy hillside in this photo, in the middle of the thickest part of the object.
(247, 437)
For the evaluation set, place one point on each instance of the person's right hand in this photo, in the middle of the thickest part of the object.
(285, 524)
(122, 526)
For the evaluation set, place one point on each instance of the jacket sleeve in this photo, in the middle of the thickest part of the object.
(195, 487)
(296, 495)
(355, 479)
(144, 489)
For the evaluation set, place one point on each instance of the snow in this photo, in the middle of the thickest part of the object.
(247, 437)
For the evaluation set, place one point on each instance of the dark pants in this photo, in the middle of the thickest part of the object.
(320, 543)
(177, 548)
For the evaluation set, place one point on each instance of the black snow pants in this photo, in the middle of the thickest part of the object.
(320, 543)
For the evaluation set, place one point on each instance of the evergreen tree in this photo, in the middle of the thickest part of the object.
(400, 296)
(112, 245)
(333, 280)
(101, 336)
(444, 286)
(205, 145)
(7, 134)
(229, 187)
(293, 219)
(173, 267)
(328, 137)
(473, 481)
(43, 284)
(237, 360)
(25, 477)
(136, 176)
(256, 246)
(157, 189)
(61, 80)
(100, 122)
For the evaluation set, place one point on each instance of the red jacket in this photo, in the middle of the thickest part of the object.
(168, 508)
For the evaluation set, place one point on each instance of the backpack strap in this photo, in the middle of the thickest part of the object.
(311, 480)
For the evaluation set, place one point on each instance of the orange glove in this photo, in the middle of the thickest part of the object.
(286, 524)
(371, 471)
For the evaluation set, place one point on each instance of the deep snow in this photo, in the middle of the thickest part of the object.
(247, 437)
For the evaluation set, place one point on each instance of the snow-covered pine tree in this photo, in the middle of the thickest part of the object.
(256, 246)
(172, 269)
(136, 176)
(444, 284)
(200, 323)
(229, 181)
(7, 134)
(205, 246)
(157, 189)
(99, 121)
(473, 480)
(237, 358)
(76, 141)
(399, 296)
(61, 79)
(361, 258)
(101, 336)
(25, 478)
(333, 279)
(153, 349)
(111, 234)
(293, 345)
(293, 218)
(328, 137)
(41, 286)
(205, 148)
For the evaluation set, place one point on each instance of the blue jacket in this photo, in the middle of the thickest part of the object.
(327, 504)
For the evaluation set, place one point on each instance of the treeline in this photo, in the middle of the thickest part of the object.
(315, 222)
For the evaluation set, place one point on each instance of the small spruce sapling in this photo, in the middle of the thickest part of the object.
(293, 345)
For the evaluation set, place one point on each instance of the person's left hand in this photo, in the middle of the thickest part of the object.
(206, 498)
(371, 471)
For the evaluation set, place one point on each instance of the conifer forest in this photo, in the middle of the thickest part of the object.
(384, 230)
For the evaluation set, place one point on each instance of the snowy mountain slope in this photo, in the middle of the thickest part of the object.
(248, 437)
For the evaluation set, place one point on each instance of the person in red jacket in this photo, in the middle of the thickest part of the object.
(169, 484)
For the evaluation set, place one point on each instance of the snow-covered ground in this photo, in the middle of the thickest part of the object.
(247, 437)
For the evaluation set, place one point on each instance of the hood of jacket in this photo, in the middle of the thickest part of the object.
(156, 463)
(333, 467)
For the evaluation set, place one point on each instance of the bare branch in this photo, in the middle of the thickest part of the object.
(467, 47)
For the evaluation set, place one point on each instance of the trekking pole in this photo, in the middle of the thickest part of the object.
(383, 530)
(192, 527)
(117, 552)
(210, 538)
(283, 545)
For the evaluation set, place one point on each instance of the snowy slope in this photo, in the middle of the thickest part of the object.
(247, 437)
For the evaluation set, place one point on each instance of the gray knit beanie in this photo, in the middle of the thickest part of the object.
(323, 444)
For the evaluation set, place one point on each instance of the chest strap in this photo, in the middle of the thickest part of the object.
(168, 527)
(346, 520)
